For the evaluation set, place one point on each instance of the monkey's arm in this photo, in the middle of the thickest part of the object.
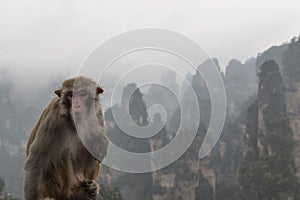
(32, 181)
(35, 165)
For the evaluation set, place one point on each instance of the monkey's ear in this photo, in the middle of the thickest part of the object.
(58, 92)
(99, 90)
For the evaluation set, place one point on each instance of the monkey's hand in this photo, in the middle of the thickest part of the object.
(92, 188)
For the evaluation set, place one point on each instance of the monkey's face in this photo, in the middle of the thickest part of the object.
(79, 103)
(77, 96)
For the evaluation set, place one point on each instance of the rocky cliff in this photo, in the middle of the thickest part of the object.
(291, 79)
(132, 186)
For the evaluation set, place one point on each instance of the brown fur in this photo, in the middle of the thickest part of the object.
(55, 152)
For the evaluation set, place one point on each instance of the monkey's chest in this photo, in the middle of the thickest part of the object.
(79, 156)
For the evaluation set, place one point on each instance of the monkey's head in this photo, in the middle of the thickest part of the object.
(77, 96)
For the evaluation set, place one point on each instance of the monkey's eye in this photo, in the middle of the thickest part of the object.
(70, 96)
(83, 94)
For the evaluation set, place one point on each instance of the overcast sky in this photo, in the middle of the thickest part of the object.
(46, 37)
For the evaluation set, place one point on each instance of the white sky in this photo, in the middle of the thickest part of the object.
(55, 36)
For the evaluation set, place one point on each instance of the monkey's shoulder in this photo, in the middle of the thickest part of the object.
(53, 116)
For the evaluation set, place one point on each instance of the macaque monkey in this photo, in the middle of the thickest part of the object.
(58, 165)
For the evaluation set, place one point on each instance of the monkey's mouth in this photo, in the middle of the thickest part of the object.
(77, 110)
(77, 115)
